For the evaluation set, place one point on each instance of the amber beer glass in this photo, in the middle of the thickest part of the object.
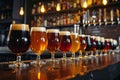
(75, 44)
(38, 41)
(18, 41)
(83, 44)
(65, 43)
(53, 42)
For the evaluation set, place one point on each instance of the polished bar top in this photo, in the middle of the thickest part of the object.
(100, 68)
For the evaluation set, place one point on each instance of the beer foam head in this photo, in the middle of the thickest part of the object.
(38, 29)
(52, 30)
(19, 27)
(82, 35)
(102, 39)
(97, 38)
(64, 33)
(74, 34)
(115, 42)
(92, 37)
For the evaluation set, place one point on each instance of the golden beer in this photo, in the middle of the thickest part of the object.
(75, 43)
(39, 40)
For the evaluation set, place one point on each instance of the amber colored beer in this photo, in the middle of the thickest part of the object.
(83, 44)
(75, 42)
(39, 40)
(18, 38)
(53, 40)
(107, 44)
(93, 43)
(65, 41)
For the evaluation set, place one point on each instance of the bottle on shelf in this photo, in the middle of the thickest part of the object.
(39, 8)
(34, 9)
(118, 15)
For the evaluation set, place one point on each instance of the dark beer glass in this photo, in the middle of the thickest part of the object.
(107, 46)
(88, 46)
(83, 44)
(75, 44)
(38, 41)
(65, 43)
(53, 42)
(98, 45)
(102, 40)
(93, 45)
(18, 41)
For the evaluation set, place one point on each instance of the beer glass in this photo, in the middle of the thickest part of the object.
(88, 46)
(18, 41)
(38, 41)
(65, 43)
(83, 44)
(107, 46)
(102, 40)
(93, 46)
(98, 45)
(53, 42)
(75, 44)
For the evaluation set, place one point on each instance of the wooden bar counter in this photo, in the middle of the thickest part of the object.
(101, 68)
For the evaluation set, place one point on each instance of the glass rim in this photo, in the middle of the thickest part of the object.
(52, 30)
(64, 33)
(19, 27)
(38, 29)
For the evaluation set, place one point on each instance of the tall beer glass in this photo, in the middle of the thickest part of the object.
(89, 45)
(83, 44)
(65, 43)
(18, 41)
(53, 42)
(75, 44)
(38, 41)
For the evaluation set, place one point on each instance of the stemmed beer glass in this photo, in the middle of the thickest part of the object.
(18, 42)
(39, 41)
(83, 44)
(65, 43)
(53, 42)
(75, 44)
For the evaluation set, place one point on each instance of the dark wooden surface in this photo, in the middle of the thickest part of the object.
(106, 68)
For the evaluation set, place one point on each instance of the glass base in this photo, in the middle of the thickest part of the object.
(18, 65)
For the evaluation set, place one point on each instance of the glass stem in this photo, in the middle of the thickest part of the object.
(53, 57)
(64, 56)
(38, 59)
(18, 61)
(80, 55)
(73, 55)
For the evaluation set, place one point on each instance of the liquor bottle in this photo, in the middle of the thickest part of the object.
(105, 16)
(34, 9)
(39, 7)
(118, 15)
(112, 16)
(100, 17)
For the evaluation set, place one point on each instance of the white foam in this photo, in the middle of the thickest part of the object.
(52, 30)
(38, 29)
(64, 33)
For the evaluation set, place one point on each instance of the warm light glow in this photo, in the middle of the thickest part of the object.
(104, 2)
(21, 11)
(42, 8)
(84, 4)
(58, 7)
(38, 75)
